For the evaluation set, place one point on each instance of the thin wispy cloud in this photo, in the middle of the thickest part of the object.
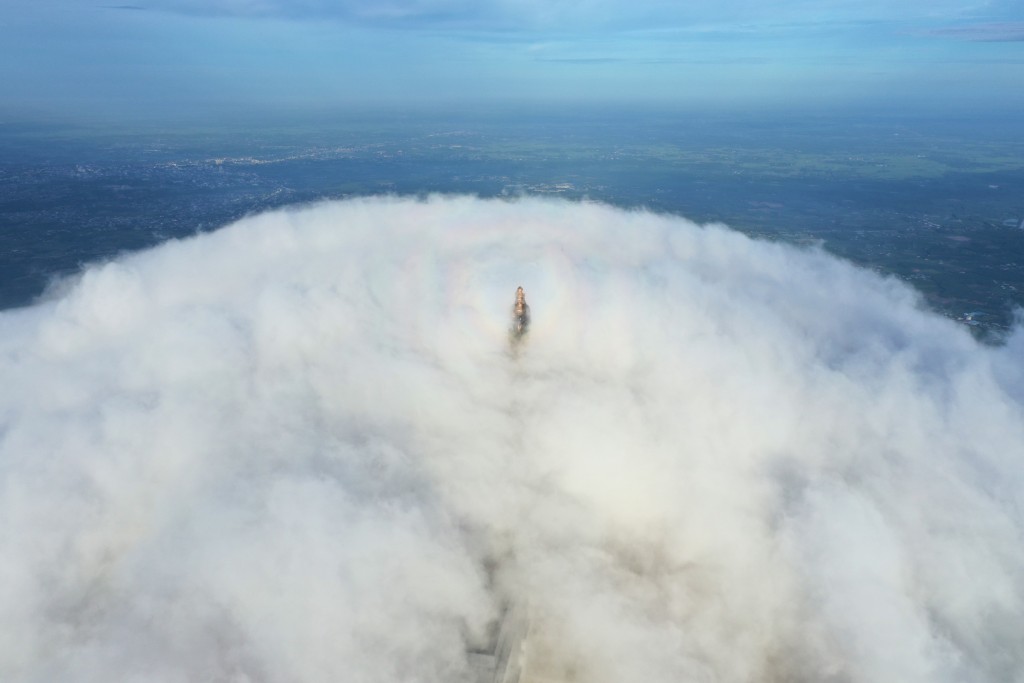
(182, 55)
(993, 33)
(651, 61)
(567, 14)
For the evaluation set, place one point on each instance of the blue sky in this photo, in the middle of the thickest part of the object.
(176, 56)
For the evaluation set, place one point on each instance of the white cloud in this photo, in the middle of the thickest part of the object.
(575, 15)
(295, 448)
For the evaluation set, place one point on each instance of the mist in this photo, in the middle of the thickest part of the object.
(302, 448)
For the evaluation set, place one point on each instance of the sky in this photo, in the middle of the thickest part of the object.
(174, 57)
(301, 448)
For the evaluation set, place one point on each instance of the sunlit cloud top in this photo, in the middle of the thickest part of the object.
(300, 448)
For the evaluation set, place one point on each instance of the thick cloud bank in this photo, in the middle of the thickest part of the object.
(299, 449)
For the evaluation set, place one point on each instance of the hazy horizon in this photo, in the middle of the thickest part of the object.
(171, 56)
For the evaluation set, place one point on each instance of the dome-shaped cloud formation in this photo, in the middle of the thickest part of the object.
(301, 449)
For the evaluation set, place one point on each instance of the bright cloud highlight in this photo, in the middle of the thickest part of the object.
(300, 449)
